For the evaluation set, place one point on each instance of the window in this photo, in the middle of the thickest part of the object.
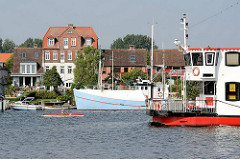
(132, 58)
(33, 69)
(110, 57)
(187, 59)
(88, 42)
(46, 68)
(54, 55)
(125, 69)
(65, 43)
(232, 91)
(69, 55)
(117, 70)
(28, 68)
(232, 59)
(47, 55)
(69, 32)
(197, 59)
(73, 41)
(217, 56)
(51, 41)
(36, 55)
(24, 55)
(209, 58)
(209, 88)
(69, 69)
(62, 69)
(22, 68)
(62, 56)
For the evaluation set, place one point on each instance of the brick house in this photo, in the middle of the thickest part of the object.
(27, 67)
(60, 47)
(124, 60)
(3, 70)
(173, 61)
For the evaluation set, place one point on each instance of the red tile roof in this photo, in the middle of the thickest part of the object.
(4, 57)
(55, 32)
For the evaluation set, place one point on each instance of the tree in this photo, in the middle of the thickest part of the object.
(9, 63)
(8, 46)
(30, 42)
(52, 78)
(133, 75)
(193, 89)
(139, 41)
(1, 49)
(86, 70)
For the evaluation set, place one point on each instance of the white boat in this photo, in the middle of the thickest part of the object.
(25, 105)
(218, 103)
(132, 99)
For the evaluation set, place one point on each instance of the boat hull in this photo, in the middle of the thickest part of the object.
(109, 99)
(197, 121)
(26, 107)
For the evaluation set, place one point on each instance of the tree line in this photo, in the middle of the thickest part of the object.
(7, 46)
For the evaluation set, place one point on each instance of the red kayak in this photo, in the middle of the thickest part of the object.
(62, 115)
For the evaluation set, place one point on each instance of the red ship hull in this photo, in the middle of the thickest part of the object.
(197, 121)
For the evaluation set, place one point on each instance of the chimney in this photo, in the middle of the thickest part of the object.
(131, 47)
(70, 25)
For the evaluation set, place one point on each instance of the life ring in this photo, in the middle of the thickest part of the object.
(160, 94)
(157, 106)
(146, 96)
(196, 71)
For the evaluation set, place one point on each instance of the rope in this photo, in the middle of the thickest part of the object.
(229, 104)
(210, 17)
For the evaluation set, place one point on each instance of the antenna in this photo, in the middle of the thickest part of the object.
(185, 28)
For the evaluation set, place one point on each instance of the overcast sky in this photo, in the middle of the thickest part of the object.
(112, 19)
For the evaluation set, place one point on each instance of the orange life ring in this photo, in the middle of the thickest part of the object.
(157, 106)
(146, 96)
(196, 71)
(160, 94)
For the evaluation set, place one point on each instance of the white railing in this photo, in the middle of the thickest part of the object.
(204, 106)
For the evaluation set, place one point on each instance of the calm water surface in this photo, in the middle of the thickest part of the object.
(109, 135)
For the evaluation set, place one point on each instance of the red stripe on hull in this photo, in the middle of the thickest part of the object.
(197, 121)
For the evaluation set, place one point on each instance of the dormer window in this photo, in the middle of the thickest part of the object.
(69, 32)
(88, 42)
(23, 54)
(51, 41)
(132, 58)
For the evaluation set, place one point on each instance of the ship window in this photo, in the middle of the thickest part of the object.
(217, 56)
(197, 59)
(209, 58)
(232, 91)
(232, 59)
(187, 59)
(209, 88)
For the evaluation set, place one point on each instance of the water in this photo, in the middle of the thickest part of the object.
(109, 135)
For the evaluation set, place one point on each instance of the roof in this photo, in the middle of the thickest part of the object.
(121, 57)
(4, 57)
(172, 57)
(56, 32)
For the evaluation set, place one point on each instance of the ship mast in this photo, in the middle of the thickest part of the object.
(151, 77)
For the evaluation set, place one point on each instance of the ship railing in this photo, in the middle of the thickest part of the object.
(181, 106)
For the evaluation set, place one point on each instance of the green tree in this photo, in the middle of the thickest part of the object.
(30, 42)
(86, 70)
(9, 63)
(139, 41)
(131, 76)
(52, 78)
(1, 45)
(8, 46)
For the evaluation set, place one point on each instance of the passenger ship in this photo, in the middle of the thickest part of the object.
(219, 99)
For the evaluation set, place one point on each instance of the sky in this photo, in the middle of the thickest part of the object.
(214, 23)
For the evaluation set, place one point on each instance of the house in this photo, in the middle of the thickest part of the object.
(3, 70)
(173, 61)
(27, 67)
(60, 48)
(124, 60)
